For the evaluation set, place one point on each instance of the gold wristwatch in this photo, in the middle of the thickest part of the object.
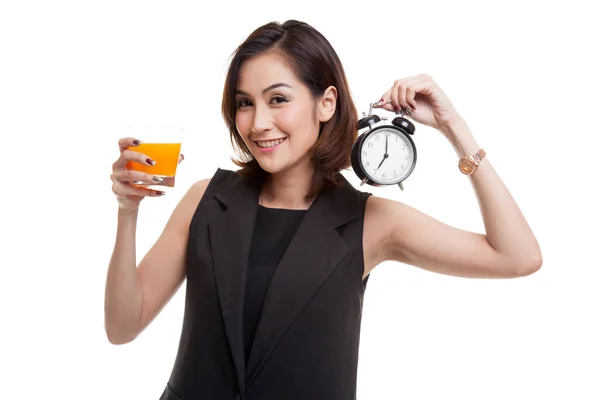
(468, 165)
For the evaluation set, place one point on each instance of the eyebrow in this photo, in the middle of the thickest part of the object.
(274, 86)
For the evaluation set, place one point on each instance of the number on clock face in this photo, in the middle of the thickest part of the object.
(396, 164)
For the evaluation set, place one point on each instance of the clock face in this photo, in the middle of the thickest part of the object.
(387, 156)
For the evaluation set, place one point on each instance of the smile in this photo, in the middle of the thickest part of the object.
(265, 144)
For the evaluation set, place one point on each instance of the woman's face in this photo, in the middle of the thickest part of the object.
(275, 113)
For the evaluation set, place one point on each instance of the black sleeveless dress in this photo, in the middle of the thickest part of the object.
(273, 230)
(273, 301)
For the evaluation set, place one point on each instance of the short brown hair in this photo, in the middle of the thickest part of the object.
(317, 65)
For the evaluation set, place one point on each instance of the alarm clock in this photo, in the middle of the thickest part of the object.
(384, 154)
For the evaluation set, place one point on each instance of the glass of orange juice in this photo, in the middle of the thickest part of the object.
(162, 143)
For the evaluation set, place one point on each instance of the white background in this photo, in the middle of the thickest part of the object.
(524, 74)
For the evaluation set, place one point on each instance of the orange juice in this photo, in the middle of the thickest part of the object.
(166, 156)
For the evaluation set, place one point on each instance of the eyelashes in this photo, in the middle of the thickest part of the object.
(281, 98)
(241, 103)
(276, 100)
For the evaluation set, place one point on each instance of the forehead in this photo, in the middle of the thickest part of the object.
(264, 70)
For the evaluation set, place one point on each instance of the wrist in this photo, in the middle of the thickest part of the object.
(461, 138)
(128, 212)
(126, 203)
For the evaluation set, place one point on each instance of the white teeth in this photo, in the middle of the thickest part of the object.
(270, 143)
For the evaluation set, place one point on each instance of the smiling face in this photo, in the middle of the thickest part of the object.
(276, 114)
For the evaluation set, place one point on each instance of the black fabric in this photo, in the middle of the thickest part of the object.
(273, 230)
(307, 333)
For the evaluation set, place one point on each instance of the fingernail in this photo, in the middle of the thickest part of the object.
(182, 157)
(136, 142)
(397, 109)
(157, 179)
(150, 161)
(160, 193)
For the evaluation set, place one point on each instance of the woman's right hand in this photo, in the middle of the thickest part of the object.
(128, 195)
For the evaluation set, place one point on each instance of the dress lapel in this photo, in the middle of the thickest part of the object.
(230, 239)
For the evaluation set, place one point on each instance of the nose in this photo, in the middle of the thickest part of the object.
(262, 120)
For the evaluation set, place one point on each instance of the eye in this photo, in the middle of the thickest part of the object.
(279, 99)
(242, 103)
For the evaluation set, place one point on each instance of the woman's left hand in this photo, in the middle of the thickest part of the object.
(427, 103)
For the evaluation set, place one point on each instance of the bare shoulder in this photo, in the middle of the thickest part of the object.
(190, 200)
(389, 225)
(182, 214)
(199, 187)
(395, 231)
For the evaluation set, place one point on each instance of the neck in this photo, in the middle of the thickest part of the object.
(287, 189)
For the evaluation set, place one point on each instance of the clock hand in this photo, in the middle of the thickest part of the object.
(386, 145)
(384, 157)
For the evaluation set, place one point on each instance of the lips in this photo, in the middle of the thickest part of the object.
(265, 144)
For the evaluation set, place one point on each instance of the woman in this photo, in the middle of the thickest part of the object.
(277, 254)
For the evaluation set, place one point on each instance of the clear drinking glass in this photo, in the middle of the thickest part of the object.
(162, 143)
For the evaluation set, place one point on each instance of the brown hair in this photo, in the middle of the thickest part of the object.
(316, 64)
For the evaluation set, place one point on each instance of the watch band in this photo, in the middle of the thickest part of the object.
(477, 157)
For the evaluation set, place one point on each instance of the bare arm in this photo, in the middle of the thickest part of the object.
(508, 248)
(135, 296)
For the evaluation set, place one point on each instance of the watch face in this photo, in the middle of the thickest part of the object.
(466, 166)
(387, 156)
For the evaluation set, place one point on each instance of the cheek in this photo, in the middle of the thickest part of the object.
(296, 122)
(242, 124)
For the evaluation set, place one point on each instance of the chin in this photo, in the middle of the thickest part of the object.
(271, 167)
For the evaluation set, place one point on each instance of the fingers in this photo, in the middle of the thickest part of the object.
(131, 176)
(124, 189)
(385, 102)
(131, 155)
(124, 143)
(410, 98)
(391, 99)
(394, 97)
(135, 156)
(401, 89)
(126, 182)
(402, 94)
